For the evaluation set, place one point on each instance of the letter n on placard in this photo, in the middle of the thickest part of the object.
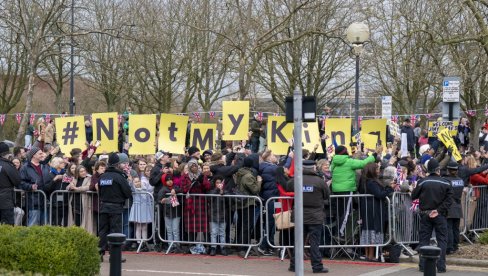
(105, 130)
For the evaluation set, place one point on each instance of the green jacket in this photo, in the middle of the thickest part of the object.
(247, 184)
(343, 171)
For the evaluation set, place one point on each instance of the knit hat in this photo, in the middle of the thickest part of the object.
(207, 152)
(248, 162)
(308, 164)
(432, 166)
(4, 148)
(341, 150)
(113, 159)
(32, 151)
(165, 177)
(423, 149)
(216, 157)
(193, 150)
(123, 158)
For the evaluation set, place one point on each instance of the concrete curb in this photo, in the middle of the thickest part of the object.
(451, 261)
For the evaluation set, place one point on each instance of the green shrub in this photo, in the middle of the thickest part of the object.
(49, 250)
(484, 238)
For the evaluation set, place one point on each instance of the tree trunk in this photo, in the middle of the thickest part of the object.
(28, 106)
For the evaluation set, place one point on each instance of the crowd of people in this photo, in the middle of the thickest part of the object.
(101, 184)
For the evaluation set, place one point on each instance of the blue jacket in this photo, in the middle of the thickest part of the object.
(29, 177)
(268, 188)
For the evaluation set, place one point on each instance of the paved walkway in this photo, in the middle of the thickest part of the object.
(160, 264)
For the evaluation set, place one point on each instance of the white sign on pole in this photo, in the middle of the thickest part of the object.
(451, 89)
(386, 107)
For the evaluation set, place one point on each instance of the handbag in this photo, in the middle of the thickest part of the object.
(283, 220)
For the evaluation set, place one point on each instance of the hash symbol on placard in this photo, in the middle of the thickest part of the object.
(70, 133)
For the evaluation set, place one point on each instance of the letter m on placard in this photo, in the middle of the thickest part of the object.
(200, 141)
(108, 131)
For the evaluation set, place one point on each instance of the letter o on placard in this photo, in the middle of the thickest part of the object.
(142, 135)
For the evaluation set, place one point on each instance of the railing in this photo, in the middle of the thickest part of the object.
(30, 208)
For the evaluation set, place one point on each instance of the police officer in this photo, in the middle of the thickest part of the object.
(9, 179)
(435, 199)
(455, 213)
(315, 193)
(113, 191)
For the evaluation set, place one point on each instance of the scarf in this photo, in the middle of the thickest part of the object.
(55, 172)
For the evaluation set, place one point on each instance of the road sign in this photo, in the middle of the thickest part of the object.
(386, 107)
(451, 89)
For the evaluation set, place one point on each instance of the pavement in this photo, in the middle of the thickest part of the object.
(153, 263)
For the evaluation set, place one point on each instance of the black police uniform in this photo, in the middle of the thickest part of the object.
(315, 192)
(455, 213)
(113, 191)
(9, 179)
(434, 193)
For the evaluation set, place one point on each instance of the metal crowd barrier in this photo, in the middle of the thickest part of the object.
(209, 219)
(70, 208)
(30, 208)
(479, 194)
(345, 218)
(405, 221)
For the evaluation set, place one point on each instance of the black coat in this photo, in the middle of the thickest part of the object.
(434, 193)
(374, 210)
(168, 210)
(113, 191)
(216, 206)
(410, 137)
(29, 177)
(227, 173)
(269, 187)
(9, 179)
(155, 178)
(456, 210)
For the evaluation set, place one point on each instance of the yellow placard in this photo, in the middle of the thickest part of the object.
(338, 130)
(105, 130)
(376, 128)
(203, 136)
(436, 126)
(311, 137)
(369, 141)
(279, 131)
(235, 120)
(70, 133)
(445, 137)
(142, 134)
(172, 133)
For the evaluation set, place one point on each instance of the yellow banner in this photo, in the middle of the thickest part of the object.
(203, 136)
(105, 130)
(338, 130)
(70, 133)
(279, 131)
(376, 128)
(369, 141)
(311, 137)
(436, 126)
(445, 137)
(235, 120)
(142, 134)
(172, 133)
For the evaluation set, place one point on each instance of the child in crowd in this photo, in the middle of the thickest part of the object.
(141, 211)
(217, 216)
(171, 209)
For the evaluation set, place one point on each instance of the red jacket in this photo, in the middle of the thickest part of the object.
(479, 179)
(286, 204)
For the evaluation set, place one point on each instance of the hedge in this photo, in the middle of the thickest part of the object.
(49, 250)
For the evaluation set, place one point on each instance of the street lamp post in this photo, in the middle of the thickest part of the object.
(72, 66)
(357, 34)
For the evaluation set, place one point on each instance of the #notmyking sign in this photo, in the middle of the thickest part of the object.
(145, 139)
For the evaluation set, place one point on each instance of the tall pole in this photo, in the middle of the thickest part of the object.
(72, 65)
(298, 181)
(356, 111)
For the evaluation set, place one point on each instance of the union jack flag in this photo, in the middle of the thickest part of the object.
(47, 117)
(330, 149)
(196, 115)
(18, 117)
(360, 120)
(119, 117)
(276, 114)
(260, 116)
(32, 118)
(428, 116)
(394, 119)
(413, 119)
(212, 114)
(400, 174)
(2, 119)
(174, 201)
(415, 205)
(486, 110)
(323, 121)
(471, 113)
